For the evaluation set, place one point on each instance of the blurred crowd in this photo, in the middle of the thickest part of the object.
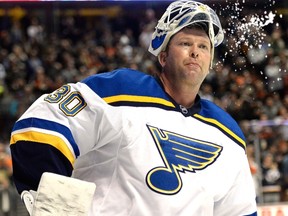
(248, 80)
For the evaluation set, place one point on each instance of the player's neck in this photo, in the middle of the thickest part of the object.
(182, 94)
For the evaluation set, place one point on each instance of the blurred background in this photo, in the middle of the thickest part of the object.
(46, 44)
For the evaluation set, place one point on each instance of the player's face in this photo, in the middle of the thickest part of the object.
(187, 59)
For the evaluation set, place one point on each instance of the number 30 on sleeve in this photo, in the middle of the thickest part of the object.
(70, 103)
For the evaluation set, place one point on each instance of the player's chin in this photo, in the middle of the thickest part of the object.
(193, 72)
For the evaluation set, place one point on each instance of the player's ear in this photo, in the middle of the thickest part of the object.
(162, 58)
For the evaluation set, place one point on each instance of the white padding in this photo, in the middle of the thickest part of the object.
(60, 196)
(28, 197)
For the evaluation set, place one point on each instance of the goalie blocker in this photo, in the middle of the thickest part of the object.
(59, 195)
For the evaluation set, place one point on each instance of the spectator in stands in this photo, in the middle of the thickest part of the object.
(270, 171)
(35, 31)
(5, 181)
(283, 163)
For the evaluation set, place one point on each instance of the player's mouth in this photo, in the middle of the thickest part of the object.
(192, 65)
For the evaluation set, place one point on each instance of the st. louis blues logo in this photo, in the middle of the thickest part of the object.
(179, 154)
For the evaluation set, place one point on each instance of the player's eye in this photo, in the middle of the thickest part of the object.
(185, 44)
(204, 46)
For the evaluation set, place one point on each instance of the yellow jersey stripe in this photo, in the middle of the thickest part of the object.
(134, 98)
(44, 138)
(215, 122)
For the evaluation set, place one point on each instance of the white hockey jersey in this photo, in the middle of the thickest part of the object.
(147, 154)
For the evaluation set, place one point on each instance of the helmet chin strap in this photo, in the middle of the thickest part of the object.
(212, 39)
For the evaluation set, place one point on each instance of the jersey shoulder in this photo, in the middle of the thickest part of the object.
(128, 87)
(214, 115)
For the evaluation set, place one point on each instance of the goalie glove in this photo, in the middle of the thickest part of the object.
(59, 195)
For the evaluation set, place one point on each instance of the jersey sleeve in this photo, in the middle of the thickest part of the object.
(56, 130)
(241, 198)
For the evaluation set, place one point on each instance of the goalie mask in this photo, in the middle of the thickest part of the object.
(183, 13)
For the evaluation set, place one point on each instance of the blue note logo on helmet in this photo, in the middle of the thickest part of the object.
(180, 14)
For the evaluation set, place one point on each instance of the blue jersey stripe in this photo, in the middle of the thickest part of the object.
(48, 125)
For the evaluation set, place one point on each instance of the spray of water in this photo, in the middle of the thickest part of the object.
(246, 34)
(244, 28)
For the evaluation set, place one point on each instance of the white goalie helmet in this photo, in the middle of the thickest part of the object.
(180, 14)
